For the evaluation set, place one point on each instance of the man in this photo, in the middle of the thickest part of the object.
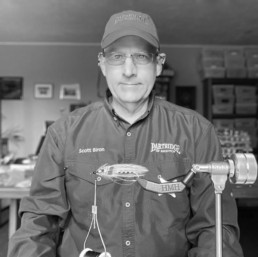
(85, 191)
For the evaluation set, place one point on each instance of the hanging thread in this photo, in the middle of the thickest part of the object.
(94, 222)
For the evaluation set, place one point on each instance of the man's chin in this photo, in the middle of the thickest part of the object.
(131, 100)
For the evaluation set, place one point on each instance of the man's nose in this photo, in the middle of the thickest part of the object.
(129, 67)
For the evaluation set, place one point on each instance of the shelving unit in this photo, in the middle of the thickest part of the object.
(163, 84)
(231, 103)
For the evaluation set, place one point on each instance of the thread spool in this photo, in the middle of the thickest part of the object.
(87, 252)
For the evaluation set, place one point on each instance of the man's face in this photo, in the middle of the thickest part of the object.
(130, 83)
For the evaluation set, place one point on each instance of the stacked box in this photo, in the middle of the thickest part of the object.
(252, 62)
(223, 123)
(252, 72)
(251, 55)
(223, 109)
(234, 58)
(236, 72)
(214, 72)
(251, 52)
(246, 108)
(245, 100)
(223, 99)
(213, 63)
(220, 90)
(235, 63)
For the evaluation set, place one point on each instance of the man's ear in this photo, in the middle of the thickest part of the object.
(101, 64)
(161, 58)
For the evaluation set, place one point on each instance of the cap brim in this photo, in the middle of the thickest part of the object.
(112, 37)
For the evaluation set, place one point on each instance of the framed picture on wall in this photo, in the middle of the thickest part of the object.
(70, 91)
(11, 88)
(43, 91)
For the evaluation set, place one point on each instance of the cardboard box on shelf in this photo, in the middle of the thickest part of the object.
(252, 72)
(245, 123)
(251, 52)
(214, 72)
(245, 99)
(236, 72)
(235, 62)
(224, 99)
(223, 109)
(246, 108)
(252, 62)
(234, 52)
(223, 123)
(212, 62)
(223, 90)
(234, 58)
(245, 90)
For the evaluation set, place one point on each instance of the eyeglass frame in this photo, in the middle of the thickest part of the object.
(157, 54)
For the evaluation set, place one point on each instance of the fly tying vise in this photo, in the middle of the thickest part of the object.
(241, 169)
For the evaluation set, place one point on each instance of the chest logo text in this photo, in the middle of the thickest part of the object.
(165, 148)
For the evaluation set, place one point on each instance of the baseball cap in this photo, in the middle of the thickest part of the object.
(130, 23)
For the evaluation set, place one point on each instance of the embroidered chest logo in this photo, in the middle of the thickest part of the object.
(165, 148)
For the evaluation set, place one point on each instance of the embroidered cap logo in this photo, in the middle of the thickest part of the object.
(130, 23)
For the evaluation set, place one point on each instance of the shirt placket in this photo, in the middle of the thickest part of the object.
(128, 208)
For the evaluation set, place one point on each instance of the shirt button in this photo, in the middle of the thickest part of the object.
(127, 243)
(115, 118)
(127, 204)
(128, 134)
(98, 178)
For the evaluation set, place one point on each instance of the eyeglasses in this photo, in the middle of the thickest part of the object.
(116, 58)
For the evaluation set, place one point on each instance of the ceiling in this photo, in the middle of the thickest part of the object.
(187, 22)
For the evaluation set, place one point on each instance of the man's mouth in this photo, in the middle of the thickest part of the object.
(130, 84)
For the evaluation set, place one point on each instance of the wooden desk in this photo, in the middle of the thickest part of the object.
(14, 194)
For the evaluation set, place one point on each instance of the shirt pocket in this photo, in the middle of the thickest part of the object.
(173, 169)
(170, 169)
(84, 171)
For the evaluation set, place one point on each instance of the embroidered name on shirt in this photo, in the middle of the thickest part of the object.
(91, 150)
(165, 147)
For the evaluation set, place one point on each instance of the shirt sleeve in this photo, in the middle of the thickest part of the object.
(45, 210)
(201, 230)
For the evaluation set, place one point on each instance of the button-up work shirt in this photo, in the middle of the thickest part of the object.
(133, 221)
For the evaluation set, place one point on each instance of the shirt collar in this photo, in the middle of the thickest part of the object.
(113, 113)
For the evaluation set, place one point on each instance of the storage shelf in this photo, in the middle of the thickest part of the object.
(230, 117)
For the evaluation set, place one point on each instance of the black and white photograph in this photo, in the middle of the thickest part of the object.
(129, 128)
(70, 91)
(43, 91)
